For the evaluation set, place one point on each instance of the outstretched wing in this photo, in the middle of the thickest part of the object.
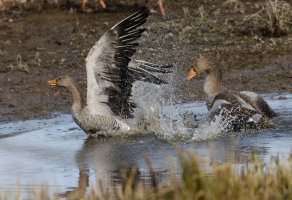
(109, 81)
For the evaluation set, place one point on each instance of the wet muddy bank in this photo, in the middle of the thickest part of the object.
(38, 46)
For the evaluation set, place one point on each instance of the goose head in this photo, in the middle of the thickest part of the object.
(69, 84)
(62, 81)
(212, 84)
(204, 65)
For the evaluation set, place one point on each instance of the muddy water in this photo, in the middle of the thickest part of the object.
(55, 152)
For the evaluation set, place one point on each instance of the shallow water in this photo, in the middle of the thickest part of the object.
(55, 152)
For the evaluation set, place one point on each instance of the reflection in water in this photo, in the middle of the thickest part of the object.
(113, 160)
(80, 191)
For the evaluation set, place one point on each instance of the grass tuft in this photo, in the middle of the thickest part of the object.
(276, 13)
(20, 65)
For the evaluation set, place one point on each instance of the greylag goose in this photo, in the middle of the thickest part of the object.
(242, 109)
(103, 5)
(110, 76)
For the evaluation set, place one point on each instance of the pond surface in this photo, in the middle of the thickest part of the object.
(55, 152)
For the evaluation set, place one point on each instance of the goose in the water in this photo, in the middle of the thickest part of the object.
(110, 76)
(242, 109)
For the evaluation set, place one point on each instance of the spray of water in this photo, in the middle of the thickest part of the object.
(164, 118)
(172, 121)
(180, 121)
(213, 128)
(154, 113)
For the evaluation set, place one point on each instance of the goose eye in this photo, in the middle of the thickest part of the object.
(207, 71)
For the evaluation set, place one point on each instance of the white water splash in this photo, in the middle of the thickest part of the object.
(154, 114)
(167, 119)
(148, 98)
(211, 129)
(185, 121)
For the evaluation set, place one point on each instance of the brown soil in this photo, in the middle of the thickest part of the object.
(38, 46)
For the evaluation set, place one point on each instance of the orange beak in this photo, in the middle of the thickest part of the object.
(52, 82)
(192, 74)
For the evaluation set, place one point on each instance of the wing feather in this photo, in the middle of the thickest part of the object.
(107, 66)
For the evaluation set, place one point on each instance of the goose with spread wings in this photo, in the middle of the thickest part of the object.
(110, 75)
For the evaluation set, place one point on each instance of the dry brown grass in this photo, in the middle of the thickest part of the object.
(276, 13)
